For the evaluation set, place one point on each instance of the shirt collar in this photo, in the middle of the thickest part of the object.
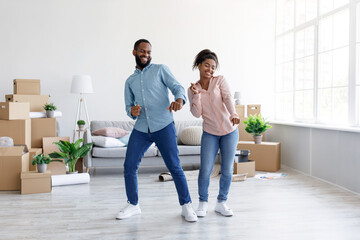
(144, 69)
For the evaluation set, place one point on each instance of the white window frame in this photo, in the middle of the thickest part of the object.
(352, 105)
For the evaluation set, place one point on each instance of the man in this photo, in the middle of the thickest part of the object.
(147, 101)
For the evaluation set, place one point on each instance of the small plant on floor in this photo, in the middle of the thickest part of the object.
(256, 125)
(71, 152)
(41, 161)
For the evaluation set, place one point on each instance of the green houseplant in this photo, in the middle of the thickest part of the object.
(256, 125)
(49, 108)
(71, 152)
(81, 124)
(42, 161)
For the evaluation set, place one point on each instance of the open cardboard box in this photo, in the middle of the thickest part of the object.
(13, 161)
(18, 130)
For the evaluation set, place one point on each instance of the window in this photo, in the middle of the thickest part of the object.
(315, 78)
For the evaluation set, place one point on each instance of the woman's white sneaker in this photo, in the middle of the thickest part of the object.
(188, 213)
(128, 211)
(223, 209)
(202, 209)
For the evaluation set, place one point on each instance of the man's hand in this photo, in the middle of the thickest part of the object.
(193, 89)
(177, 105)
(235, 121)
(135, 110)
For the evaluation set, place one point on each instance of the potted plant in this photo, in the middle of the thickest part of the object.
(71, 152)
(256, 125)
(42, 161)
(81, 124)
(50, 108)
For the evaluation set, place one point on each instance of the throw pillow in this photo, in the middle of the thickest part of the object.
(125, 139)
(110, 132)
(191, 135)
(106, 142)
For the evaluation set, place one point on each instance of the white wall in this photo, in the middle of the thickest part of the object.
(330, 155)
(55, 39)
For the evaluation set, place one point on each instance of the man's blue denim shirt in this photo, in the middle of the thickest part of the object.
(149, 89)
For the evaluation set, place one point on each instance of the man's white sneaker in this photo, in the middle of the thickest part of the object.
(223, 209)
(128, 211)
(188, 213)
(202, 209)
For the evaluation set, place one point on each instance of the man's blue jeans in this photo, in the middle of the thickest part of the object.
(166, 141)
(210, 145)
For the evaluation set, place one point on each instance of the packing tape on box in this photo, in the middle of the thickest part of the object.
(69, 179)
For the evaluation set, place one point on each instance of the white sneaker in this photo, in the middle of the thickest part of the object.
(189, 213)
(223, 209)
(128, 211)
(202, 209)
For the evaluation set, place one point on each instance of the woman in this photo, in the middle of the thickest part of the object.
(211, 98)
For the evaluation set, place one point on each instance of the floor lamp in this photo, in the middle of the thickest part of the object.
(81, 84)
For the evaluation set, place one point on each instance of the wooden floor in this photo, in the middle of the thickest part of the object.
(294, 207)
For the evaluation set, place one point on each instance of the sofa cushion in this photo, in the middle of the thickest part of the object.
(106, 142)
(181, 125)
(126, 125)
(185, 150)
(119, 152)
(110, 132)
(191, 135)
(125, 139)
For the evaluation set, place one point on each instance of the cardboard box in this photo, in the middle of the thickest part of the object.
(34, 182)
(14, 110)
(266, 155)
(33, 152)
(245, 167)
(18, 130)
(56, 168)
(13, 161)
(27, 86)
(240, 110)
(253, 109)
(36, 101)
(42, 127)
(243, 135)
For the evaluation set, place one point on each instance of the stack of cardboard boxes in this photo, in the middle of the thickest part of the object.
(15, 122)
(264, 156)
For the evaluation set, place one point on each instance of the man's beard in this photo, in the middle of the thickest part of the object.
(140, 64)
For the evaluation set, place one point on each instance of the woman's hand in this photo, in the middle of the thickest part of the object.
(193, 89)
(235, 121)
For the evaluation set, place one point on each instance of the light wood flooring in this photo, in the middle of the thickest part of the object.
(294, 207)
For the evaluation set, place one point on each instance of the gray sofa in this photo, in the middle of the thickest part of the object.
(114, 157)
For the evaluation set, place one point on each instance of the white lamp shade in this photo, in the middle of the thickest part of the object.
(81, 84)
(237, 95)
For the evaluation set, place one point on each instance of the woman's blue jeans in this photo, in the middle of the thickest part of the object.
(210, 145)
(166, 141)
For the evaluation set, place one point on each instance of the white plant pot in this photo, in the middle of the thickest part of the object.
(50, 114)
(81, 127)
(258, 139)
(41, 168)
